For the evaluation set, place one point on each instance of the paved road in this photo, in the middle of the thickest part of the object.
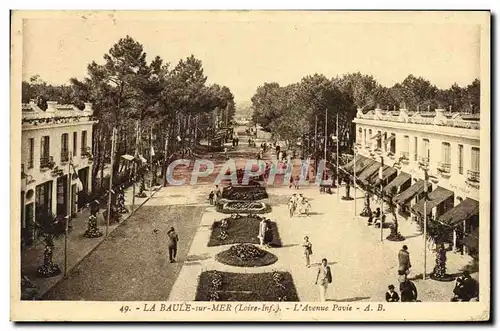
(133, 263)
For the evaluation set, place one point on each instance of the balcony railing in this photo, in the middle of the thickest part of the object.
(444, 168)
(47, 162)
(423, 161)
(465, 124)
(64, 156)
(84, 151)
(473, 176)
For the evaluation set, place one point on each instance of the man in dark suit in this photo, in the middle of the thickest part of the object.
(173, 239)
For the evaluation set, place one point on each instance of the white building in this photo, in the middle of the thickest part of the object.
(445, 144)
(55, 142)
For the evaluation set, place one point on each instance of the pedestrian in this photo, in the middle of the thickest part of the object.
(465, 288)
(323, 278)
(391, 295)
(297, 182)
(268, 235)
(225, 153)
(408, 291)
(173, 239)
(262, 231)
(404, 262)
(211, 197)
(307, 250)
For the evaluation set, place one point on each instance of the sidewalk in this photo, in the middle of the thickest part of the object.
(78, 245)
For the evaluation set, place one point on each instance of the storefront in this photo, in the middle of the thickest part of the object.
(62, 196)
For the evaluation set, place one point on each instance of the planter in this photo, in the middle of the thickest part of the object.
(246, 255)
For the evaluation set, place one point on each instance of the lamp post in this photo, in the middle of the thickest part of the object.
(354, 176)
(68, 218)
(110, 180)
(426, 178)
(380, 170)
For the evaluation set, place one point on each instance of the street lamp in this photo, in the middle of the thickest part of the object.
(354, 174)
(380, 171)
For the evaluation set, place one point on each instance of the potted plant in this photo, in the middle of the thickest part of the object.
(50, 228)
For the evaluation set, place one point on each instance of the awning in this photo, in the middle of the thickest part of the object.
(462, 212)
(361, 163)
(128, 157)
(413, 190)
(391, 137)
(386, 173)
(377, 136)
(471, 240)
(402, 178)
(143, 160)
(437, 196)
(370, 170)
(348, 167)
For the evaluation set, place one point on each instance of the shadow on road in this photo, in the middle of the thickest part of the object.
(349, 299)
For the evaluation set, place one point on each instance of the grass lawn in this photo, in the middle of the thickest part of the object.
(264, 258)
(247, 287)
(242, 230)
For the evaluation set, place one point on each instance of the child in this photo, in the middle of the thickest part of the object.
(391, 295)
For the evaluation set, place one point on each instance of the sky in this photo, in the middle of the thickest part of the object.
(245, 51)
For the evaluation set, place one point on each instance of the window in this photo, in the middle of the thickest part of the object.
(392, 143)
(359, 136)
(426, 152)
(64, 147)
(475, 159)
(461, 159)
(445, 164)
(84, 143)
(379, 140)
(75, 142)
(364, 142)
(473, 173)
(31, 152)
(416, 148)
(45, 152)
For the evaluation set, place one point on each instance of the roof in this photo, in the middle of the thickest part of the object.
(437, 196)
(406, 195)
(462, 212)
(472, 239)
(402, 178)
(368, 171)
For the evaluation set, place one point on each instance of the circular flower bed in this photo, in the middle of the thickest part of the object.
(246, 255)
(231, 207)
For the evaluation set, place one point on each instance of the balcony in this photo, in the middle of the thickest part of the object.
(423, 162)
(473, 176)
(64, 156)
(404, 158)
(47, 162)
(444, 169)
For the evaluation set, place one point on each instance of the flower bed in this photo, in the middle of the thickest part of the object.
(244, 193)
(227, 286)
(254, 207)
(240, 229)
(246, 255)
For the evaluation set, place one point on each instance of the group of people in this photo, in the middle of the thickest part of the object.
(298, 203)
(215, 195)
(235, 141)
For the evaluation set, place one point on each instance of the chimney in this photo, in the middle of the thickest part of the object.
(51, 106)
(88, 106)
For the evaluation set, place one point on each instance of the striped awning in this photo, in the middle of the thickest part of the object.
(462, 212)
(370, 170)
(401, 179)
(437, 196)
(408, 194)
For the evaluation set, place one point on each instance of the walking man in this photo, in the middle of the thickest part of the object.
(307, 250)
(323, 278)
(262, 231)
(173, 239)
(404, 262)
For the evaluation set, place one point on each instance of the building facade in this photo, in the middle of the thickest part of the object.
(443, 145)
(56, 148)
